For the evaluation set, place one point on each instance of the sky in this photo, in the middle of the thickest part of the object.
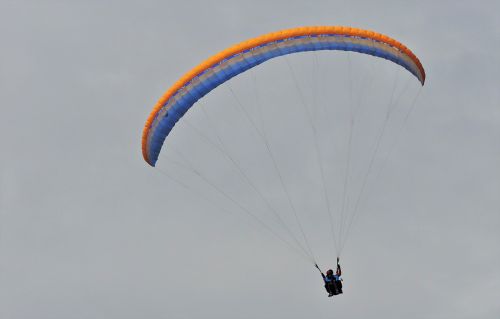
(89, 230)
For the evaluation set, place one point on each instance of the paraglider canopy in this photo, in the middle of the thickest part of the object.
(245, 55)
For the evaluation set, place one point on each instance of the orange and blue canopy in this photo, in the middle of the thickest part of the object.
(239, 58)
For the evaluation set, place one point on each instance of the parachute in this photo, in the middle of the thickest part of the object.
(241, 57)
(246, 55)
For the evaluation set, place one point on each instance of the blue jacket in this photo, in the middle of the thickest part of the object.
(328, 279)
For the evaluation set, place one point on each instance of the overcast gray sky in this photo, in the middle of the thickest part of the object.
(88, 230)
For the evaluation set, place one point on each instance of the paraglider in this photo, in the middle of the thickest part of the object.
(236, 60)
(333, 283)
(239, 58)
